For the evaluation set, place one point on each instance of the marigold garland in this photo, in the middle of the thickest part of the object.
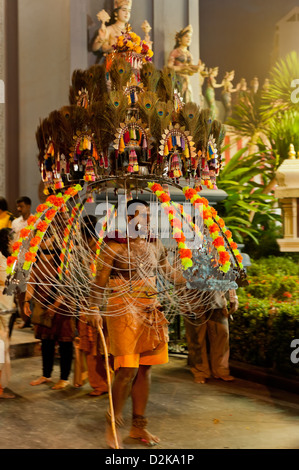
(184, 252)
(212, 221)
(48, 210)
(76, 212)
(104, 229)
(131, 42)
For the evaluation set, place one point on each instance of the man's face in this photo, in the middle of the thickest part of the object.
(23, 209)
(139, 222)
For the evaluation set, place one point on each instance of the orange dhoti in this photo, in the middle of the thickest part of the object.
(137, 329)
(91, 345)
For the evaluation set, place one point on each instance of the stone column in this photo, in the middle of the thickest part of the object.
(287, 208)
(11, 103)
(2, 100)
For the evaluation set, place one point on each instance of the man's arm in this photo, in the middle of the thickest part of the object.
(173, 275)
(234, 302)
(29, 293)
(97, 290)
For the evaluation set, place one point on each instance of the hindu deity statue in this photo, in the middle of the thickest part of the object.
(181, 60)
(203, 73)
(113, 27)
(226, 94)
(254, 85)
(210, 90)
(146, 27)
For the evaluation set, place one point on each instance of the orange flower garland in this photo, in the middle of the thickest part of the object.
(49, 210)
(213, 222)
(176, 224)
(77, 210)
(104, 229)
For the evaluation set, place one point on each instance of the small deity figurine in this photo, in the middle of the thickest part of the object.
(181, 60)
(254, 85)
(226, 96)
(210, 91)
(203, 73)
(146, 27)
(266, 85)
(241, 89)
(107, 35)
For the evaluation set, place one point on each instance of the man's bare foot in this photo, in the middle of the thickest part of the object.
(144, 436)
(24, 325)
(97, 393)
(41, 380)
(113, 442)
(226, 378)
(60, 385)
(7, 395)
(200, 380)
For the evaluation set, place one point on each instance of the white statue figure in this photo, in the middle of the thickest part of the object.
(108, 34)
(226, 96)
(254, 85)
(181, 60)
(146, 27)
(210, 91)
(203, 73)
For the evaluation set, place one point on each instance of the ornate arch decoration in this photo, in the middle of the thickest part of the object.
(176, 136)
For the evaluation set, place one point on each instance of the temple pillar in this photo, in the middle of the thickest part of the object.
(2, 100)
(287, 192)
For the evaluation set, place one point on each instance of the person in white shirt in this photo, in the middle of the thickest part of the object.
(24, 209)
(213, 323)
(6, 304)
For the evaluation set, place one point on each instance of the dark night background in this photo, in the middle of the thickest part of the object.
(239, 35)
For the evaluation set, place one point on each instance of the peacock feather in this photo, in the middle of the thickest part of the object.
(189, 117)
(150, 76)
(147, 104)
(120, 74)
(167, 84)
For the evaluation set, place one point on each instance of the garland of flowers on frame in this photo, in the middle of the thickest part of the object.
(184, 252)
(215, 225)
(188, 218)
(48, 210)
(66, 246)
(104, 229)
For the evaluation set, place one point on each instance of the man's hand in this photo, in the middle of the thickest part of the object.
(27, 310)
(233, 307)
(94, 319)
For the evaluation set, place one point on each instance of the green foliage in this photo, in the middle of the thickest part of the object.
(284, 265)
(270, 118)
(261, 334)
(268, 317)
(282, 132)
(274, 278)
(247, 119)
(245, 197)
(277, 99)
(268, 234)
